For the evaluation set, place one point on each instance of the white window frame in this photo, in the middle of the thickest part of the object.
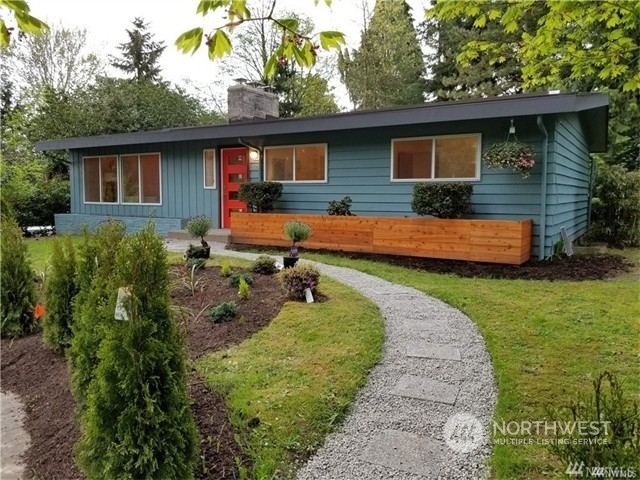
(84, 192)
(326, 162)
(120, 181)
(433, 159)
(204, 169)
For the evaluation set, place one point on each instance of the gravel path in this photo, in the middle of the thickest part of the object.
(14, 438)
(435, 366)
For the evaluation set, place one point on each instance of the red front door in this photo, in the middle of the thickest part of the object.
(235, 170)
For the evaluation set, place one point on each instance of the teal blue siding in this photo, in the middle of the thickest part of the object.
(568, 191)
(182, 179)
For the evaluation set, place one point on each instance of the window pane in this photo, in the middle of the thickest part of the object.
(412, 159)
(130, 179)
(209, 165)
(109, 168)
(310, 162)
(236, 178)
(279, 164)
(456, 157)
(150, 166)
(91, 180)
(236, 159)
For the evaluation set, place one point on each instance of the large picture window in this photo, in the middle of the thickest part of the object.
(300, 163)
(436, 158)
(136, 178)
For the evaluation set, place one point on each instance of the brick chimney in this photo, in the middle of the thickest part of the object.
(246, 103)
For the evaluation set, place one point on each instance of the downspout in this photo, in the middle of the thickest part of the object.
(543, 188)
(592, 174)
(258, 149)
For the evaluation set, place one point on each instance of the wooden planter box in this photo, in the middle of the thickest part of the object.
(496, 241)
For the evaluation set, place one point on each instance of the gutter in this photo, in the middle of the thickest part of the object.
(543, 188)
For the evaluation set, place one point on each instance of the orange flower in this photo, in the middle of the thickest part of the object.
(39, 311)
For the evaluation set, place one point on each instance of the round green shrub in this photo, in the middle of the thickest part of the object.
(260, 196)
(296, 280)
(442, 200)
(234, 279)
(225, 312)
(265, 265)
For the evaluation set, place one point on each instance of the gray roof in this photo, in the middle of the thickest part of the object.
(592, 108)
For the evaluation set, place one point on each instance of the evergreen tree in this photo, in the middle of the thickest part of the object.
(60, 291)
(18, 294)
(138, 423)
(388, 69)
(140, 54)
(94, 305)
(444, 39)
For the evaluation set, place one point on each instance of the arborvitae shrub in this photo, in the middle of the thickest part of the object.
(60, 291)
(260, 196)
(17, 291)
(297, 279)
(234, 279)
(442, 200)
(244, 290)
(138, 422)
(94, 305)
(225, 269)
(265, 265)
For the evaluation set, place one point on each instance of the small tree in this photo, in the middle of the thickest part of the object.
(18, 294)
(60, 291)
(138, 423)
(94, 305)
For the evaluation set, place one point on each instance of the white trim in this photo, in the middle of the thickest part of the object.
(213, 167)
(326, 162)
(120, 183)
(433, 159)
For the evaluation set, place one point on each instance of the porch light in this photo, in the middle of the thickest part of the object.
(254, 155)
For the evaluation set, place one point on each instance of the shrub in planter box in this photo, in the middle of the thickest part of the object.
(442, 200)
(260, 196)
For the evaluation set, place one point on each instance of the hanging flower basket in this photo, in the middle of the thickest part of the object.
(510, 154)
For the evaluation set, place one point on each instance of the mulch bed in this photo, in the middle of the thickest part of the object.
(41, 379)
(575, 268)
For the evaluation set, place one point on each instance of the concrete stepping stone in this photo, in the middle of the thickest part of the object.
(426, 389)
(407, 452)
(15, 439)
(432, 350)
(425, 325)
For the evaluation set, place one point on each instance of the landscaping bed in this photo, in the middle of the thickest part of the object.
(574, 268)
(41, 378)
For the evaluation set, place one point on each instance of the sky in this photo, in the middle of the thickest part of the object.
(107, 20)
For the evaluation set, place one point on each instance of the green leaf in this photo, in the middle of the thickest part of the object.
(206, 5)
(29, 24)
(289, 23)
(5, 35)
(331, 39)
(15, 5)
(190, 41)
(270, 67)
(239, 9)
(219, 45)
(300, 57)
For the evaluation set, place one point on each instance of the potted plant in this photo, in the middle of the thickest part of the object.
(511, 154)
(297, 232)
(198, 227)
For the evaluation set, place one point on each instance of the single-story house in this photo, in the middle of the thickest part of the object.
(375, 157)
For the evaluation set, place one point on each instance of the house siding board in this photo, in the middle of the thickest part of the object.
(568, 192)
